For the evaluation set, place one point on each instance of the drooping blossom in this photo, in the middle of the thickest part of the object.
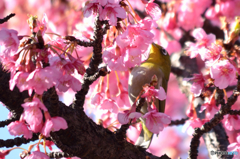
(4, 153)
(53, 124)
(122, 97)
(198, 84)
(108, 103)
(18, 128)
(155, 121)
(33, 114)
(223, 73)
(111, 12)
(153, 10)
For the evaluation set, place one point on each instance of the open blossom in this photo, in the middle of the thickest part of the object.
(211, 53)
(151, 93)
(153, 10)
(18, 128)
(235, 147)
(92, 7)
(155, 121)
(111, 12)
(127, 115)
(198, 84)
(203, 40)
(54, 124)
(191, 124)
(223, 73)
(108, 103)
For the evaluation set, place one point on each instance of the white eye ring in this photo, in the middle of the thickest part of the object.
(164, 51)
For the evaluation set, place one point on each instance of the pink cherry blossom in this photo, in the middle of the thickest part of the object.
(18, 128)
(155, 121)
(203, 41)
(111, 12)
(235, 147)
(96, 99)
(223, 73)
(37, 155)
(231, 122)
(191, 124)
(151, 93)
(108, 103)
(210, 108)
(54, 124)
(122, 97)
(198, 84)
(92, 7)
(19, 79)
(127, 115)
(211, 53)
(153, 10)
(104, 2)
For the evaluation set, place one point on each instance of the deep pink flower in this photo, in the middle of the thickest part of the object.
(223, 73)
(153, 10)
(18, 128)
(111, 12)
(151, 93)
(198, 84)
(235, 147)
(3, 153)
(54, 124)
(211, 53)
(155, 121)
(37, 155)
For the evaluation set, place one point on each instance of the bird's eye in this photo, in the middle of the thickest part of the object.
(164, 51)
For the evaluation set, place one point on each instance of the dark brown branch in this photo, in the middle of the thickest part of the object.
(5, 19)
(17, 141)
(178, 122)
(234, 112)
(79, 42)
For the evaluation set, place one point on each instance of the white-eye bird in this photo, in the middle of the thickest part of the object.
(159, 64)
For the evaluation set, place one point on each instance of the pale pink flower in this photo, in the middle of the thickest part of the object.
(18, 128)
(231, 122)
(150, 93)
(153, 10)
(9, 42)
(111, 12)
(223, 73)
(37, 155)
(108, 103)
(92, 7)
(122, 97)
(155, 121)
(191, 124)
(128, 115)
(198, 84)
(19, 79)
(42, 26)
(211, 53)
(104, 2)
(54, 124)
(235, 148)
(210, 108)
(96, 99)
(203, 41)
(41, 79)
